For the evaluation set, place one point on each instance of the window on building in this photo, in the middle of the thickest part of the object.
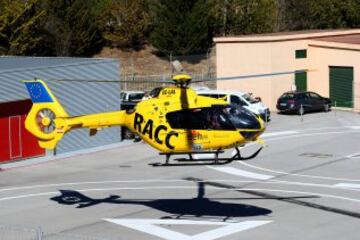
(301, 53)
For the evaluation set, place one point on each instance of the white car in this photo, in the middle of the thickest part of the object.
(131, 96)
(239, 98)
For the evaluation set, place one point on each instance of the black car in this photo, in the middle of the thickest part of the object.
(301, 102)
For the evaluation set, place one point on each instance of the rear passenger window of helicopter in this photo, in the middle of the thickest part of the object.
(188, 119)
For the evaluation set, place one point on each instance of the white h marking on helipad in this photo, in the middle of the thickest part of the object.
(149, 226)
(243, 173)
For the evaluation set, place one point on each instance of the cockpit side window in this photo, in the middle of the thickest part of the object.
(200, 119)
(155, 92)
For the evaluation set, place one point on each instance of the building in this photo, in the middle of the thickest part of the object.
(72, 81)
(267, 65)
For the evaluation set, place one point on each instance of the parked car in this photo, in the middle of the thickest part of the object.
(131, 96)
(128, 100)
(239, 98)
(301, 102)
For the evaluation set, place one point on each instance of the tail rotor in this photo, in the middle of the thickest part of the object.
(45, 120)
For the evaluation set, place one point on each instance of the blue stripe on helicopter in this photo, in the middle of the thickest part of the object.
(38, 92)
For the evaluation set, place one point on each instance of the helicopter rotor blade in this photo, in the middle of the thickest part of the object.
(168, 79)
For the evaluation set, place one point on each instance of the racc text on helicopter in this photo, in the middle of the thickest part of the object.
(175, 120)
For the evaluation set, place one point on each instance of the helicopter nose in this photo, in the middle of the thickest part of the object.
(249, 125)
(250, 135)
(255, 130)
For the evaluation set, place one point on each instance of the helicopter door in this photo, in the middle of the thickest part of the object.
(193, 125)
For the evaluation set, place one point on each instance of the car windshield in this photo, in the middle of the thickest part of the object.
(122, 95)
(249, 98)
(288, 96)
(136, 96)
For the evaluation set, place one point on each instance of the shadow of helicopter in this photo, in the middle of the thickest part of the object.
(195, 207)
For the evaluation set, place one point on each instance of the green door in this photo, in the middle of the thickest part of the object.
(301, 81)
(341, 86)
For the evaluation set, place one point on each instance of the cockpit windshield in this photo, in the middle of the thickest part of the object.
(242, 118)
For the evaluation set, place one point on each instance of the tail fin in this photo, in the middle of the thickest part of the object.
(48, 120)
(44, 118)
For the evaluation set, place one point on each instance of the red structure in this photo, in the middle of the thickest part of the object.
(15, 141)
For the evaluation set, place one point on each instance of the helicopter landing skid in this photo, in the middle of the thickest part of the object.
(204, 161)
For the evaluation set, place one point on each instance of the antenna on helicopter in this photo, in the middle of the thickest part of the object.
(181, 79)
(177, 66)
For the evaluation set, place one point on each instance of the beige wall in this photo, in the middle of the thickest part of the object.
(330, 54)
(242, 59)
(253, 56)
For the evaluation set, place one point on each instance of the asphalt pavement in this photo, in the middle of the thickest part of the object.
(305, 184)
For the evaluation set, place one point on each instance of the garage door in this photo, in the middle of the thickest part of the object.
(15, 141)
(341, 86)
(301, 81)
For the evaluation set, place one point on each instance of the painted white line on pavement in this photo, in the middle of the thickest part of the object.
(298, 175)
(149, 226)
(354, 127)
(303, 175)
(347, 185)
(203, 156)
(243, 173)
(309, 134)
(354, 155)
(84, 183)
(167, 181)
(184, 188)
(272, 134)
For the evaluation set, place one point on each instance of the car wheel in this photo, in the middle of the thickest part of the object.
(326, 107)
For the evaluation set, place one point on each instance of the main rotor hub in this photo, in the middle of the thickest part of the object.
(182, 80)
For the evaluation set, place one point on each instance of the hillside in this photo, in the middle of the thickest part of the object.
(146, 62)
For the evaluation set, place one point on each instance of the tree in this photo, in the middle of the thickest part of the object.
(126, 23)
(182, 26)
(73, 27)
(20, 27)
(322, 14)
(245, 16)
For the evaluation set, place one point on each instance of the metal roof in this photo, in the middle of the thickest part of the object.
(13, 70)
(18, 63)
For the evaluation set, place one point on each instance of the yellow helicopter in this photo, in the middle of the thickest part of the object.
(175, 120)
